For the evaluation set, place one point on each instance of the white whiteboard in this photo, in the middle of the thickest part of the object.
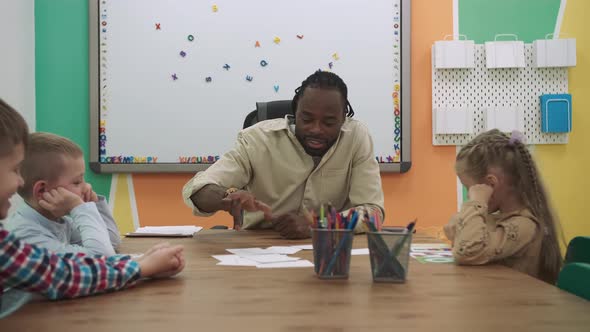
(156, 106)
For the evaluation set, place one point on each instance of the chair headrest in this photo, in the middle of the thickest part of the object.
(273, 109)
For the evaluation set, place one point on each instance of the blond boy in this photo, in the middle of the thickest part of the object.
(24, 267)
(61, 212)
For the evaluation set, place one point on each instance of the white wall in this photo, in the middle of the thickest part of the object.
(17, 60)
(17, 56)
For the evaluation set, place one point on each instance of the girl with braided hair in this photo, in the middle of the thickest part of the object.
(508, 218)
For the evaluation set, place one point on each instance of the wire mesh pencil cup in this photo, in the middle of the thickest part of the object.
(389, 253)
(331, 252)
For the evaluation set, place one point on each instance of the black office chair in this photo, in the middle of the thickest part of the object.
(268, 110)
(264, 111)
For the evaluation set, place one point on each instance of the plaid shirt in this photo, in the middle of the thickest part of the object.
(29, 268)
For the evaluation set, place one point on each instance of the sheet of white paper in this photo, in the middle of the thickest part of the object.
(304, 246)
(222, 258)
(429, 245)
(298, 263)
(282, 250)
(431, 254)
(239, 262)
(362, 251)
(427, 250)
(184, 230)
(271, 258)
(248, 251)
(234, 260)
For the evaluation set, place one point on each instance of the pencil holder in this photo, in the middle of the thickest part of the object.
(331, 252)
(389, 254)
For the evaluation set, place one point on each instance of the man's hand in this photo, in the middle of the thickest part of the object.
(292, 226)
(243, 200)
(60, 202)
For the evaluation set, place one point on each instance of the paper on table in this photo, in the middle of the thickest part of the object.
(267, 251)
(362, 251)
(432, 252)
(298, 263)
(270, 258)
(429, 246)
(248, 251)
(222, 258)
(165, 231)
(426, 258)
(282, 250)
(304, 247)
(234, 260)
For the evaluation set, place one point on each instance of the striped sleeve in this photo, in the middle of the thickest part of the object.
(33, 269)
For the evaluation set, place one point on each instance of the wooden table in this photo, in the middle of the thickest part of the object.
(206, 297)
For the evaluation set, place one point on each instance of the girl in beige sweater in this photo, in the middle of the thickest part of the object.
(507, 218)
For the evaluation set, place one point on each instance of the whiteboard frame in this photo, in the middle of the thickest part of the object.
(94, 77)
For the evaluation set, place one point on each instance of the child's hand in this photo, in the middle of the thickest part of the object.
(481, 193)
(60, 201)
(451, 227)
(162, 261)
(88, 195)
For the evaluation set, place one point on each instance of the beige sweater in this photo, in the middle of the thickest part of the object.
(513, 239)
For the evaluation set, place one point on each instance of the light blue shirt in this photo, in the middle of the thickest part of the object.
(89, 228)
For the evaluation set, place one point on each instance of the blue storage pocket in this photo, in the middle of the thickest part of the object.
(556, 113)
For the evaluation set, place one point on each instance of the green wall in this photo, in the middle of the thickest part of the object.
(480, 20)
(61, 65)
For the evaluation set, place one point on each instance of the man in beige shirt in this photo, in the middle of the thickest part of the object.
(279, 168)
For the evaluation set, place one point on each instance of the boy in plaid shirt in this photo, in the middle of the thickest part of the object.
(29, 268)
